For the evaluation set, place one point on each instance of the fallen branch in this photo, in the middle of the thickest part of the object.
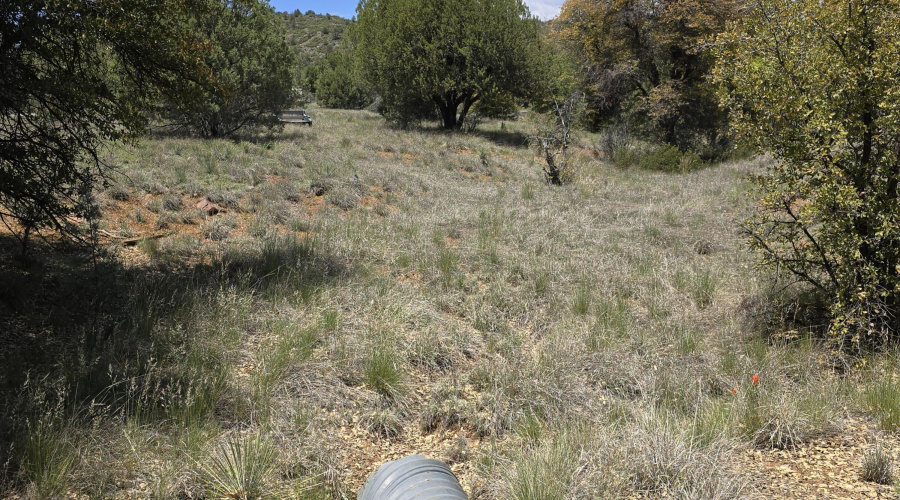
(108, 234)
(130, 242)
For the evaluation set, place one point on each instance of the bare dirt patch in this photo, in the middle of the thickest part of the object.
(827, 468)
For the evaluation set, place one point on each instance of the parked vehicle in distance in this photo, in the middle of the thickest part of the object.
(295, 116)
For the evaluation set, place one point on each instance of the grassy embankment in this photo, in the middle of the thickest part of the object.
(369, 293)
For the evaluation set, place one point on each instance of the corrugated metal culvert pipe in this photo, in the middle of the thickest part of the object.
(412, 478)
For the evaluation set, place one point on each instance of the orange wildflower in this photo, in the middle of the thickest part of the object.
(734, 390)
(754, 379)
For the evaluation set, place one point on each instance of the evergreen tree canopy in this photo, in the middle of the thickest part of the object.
(335, 83)
(424, 56)
(75, 74)
(252, 64)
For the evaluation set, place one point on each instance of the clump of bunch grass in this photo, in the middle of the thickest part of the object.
(581, 302)
(382, 371)
(883, 398)
(661, 456)
(48, 457)
(544, 473)
(218, 228)
(772, 418)
(878, 467)
(225, 199)
(119, 192)
(446, 407)
(384, 422)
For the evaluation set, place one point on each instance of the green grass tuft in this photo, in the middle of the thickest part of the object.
(382, 372)
(48, 457)
(883, 398)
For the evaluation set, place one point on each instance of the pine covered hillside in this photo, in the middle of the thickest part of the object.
(312, 35)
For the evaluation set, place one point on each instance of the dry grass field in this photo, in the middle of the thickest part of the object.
(364, 293)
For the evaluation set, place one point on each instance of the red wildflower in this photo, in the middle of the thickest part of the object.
(754, 379)
(734, 390)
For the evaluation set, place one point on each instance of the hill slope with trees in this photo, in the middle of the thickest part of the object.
(312, 36)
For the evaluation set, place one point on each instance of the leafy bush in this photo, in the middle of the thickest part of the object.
(815, 84)
(646, 63)
(76, 76)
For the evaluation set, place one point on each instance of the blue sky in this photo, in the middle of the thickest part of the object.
(545, 9)
(343, 8)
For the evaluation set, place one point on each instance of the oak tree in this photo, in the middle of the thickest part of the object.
(816, 83)
(644, 63)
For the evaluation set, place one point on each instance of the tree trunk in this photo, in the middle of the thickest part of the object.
(448, 115)
(26, 234)
(448, 105)
(214, 127)
(467, 103)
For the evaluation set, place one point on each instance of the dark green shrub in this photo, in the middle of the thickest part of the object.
(336, 84)
(664, 158)
(251, 63)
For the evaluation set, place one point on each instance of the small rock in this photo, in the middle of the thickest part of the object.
(209, 207)
(318, 188)
(703, 247)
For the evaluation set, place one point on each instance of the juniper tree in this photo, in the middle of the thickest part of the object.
(75, 75)
(439, 57)
(252, 64)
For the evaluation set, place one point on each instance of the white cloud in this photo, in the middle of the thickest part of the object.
(544, 9)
